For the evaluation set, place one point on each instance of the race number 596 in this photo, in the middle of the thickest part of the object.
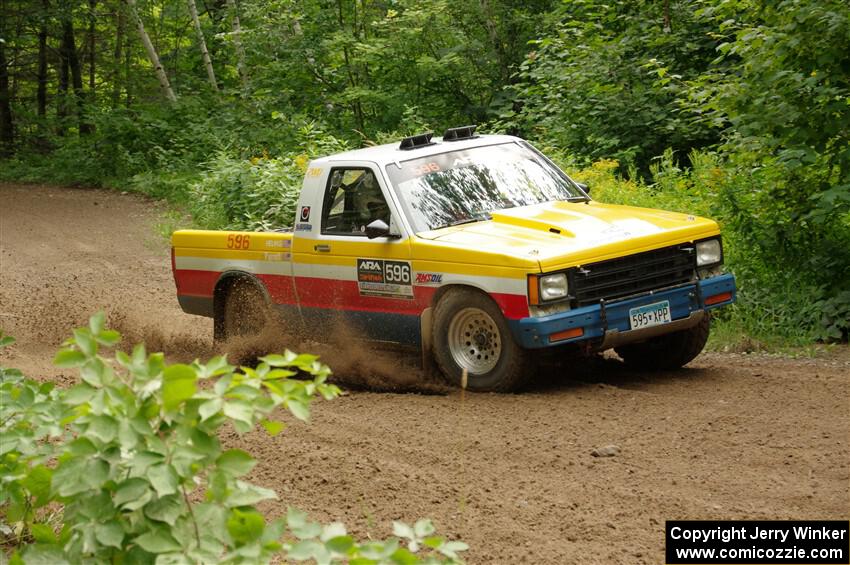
(238, 241)
(397, 272)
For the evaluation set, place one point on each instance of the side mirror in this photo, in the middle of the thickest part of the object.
(378, 228)
(584, 187)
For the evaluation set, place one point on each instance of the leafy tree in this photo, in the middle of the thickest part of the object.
(605, 80)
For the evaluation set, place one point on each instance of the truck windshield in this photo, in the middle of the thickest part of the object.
(465, 186)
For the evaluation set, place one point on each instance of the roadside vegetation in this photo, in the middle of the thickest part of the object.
(738, 110)
(126, 465)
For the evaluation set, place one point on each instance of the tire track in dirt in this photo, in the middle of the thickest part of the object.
(732, 436)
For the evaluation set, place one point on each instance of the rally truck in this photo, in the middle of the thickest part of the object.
(475, 249)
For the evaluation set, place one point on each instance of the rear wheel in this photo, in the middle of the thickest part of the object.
(470, 333)
(669, 351)
(245, 310)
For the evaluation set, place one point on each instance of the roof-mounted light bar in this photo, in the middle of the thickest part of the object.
(457, 134)
(417, 141)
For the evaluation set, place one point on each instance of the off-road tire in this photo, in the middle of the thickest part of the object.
(473, 308)
(667, 352)
(245, 311)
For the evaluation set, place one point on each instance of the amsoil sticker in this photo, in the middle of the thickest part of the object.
(305, 213)
(429, 278)
(376, 277)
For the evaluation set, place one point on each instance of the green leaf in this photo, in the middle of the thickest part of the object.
(42, 533)
(235, 462)
(340, 544)
(308, 549)
(295, 518)
(423, 528)
(137, 503)
(92, 372)
(103, 428)
(110, 534)
(129, 490)
(452, 548)
(108, 337)
(210, 408)
(178, 385)
(82, 447)
(299, 409)
(247, 495)
(96, 322)
(158, 541)
(165, 509)
(403, 556)
(37, 481)
(239, 411)
(79, 394)
(245, 526)
(69, 358)
(273, 427)
(163, 479)
(6, 340)
(402, 530)
(38, 554)
(84, 340)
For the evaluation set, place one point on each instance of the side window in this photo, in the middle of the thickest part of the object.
(353, 199)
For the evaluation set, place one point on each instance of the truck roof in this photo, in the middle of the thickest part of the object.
(390, 152)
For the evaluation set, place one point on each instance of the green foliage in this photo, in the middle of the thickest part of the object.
(130, 455)
(259, 193)
(604, 80)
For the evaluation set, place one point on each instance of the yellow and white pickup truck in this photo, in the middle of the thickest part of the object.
(476, 249)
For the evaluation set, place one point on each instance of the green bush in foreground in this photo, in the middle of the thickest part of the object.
(126, 466)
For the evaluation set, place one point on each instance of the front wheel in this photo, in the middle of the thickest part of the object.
(667, 352)
(471, 334)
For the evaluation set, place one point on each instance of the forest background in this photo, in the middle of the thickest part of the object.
(734, 109)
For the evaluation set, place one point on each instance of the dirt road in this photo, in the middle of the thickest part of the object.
(730, 437)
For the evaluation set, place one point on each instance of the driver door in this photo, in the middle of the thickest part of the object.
(365, 284)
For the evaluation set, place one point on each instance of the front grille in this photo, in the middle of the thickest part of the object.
(633, 274)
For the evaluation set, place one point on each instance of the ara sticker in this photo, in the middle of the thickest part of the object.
(305, 213)
(303, 227)
(429, 278)
(376, 277)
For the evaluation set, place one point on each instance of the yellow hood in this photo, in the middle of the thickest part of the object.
(565, 234)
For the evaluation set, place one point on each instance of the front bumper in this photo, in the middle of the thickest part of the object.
(608, 322)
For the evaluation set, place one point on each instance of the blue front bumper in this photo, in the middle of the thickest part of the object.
(595, 320)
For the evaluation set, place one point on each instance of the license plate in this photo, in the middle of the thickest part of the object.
(650, 315)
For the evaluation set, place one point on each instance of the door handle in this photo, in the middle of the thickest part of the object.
(322, 247)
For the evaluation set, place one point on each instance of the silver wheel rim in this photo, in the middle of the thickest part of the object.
(474, 341)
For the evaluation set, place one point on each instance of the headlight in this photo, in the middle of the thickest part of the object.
(553, 286)
(709, 252)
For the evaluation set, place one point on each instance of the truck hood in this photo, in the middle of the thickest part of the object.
(565, 234)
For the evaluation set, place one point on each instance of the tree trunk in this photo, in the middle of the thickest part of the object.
(116, 56)
(237, 43)
(128, 85)
(70, 48)
(62, 91)
(91, 38)
(154, 58)
(41, 93)
(7, 129)
(205, 55)
(495, 41)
